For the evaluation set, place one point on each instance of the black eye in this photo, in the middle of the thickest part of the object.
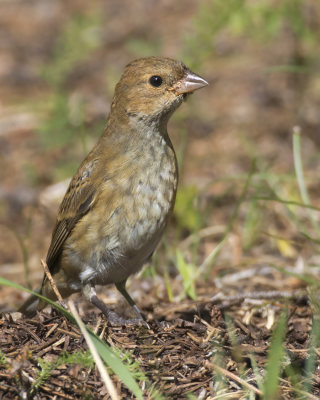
(155, 81)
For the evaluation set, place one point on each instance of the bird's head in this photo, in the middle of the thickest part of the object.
(152, 88)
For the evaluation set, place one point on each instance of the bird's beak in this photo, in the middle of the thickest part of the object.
(189, 83)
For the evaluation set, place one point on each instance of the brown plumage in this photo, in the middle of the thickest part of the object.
(118, 202)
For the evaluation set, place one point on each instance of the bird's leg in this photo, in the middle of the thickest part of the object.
(121, 286)
(91, 295)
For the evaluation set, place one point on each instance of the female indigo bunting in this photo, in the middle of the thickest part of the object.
(118, 203)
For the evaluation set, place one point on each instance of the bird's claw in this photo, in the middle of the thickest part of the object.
(115, 320)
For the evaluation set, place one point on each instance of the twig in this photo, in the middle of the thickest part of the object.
(53, 285)
(306, 395)
(259, 269)
(272, 294)
(232, 376)
(103, 371)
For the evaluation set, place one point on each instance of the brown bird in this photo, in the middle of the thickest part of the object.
(118, 203)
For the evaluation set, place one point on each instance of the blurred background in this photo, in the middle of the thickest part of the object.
(238, 195)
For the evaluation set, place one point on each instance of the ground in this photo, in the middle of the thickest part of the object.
(240, 254)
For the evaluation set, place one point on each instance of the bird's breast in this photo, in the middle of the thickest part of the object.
(150, 196)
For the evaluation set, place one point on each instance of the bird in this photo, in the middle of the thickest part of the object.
(118, 203)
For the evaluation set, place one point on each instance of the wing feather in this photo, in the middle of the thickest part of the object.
(78, 200)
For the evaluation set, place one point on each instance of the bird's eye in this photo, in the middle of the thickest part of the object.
(155, 81)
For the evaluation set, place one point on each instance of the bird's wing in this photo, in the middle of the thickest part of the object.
(78, 200)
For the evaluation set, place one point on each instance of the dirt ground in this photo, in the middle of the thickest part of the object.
(50, 115)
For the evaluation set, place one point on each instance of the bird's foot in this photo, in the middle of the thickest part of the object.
(113, 317)
(117, 320)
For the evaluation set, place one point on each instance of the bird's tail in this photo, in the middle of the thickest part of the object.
(30, 307)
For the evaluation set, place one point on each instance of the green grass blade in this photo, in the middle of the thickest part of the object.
(312, 359)
(256, 372)
(109, 385)
(300, 176)
(189, 274)
(287, 202)
(275, 357)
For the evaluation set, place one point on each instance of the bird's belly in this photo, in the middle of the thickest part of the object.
(141, 223)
